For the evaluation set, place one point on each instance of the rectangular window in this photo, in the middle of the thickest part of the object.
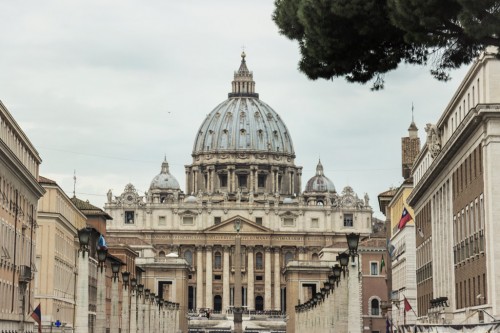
(188, 220)
(374, 268)
(261, 180)
(217, 277)
(258, 278)
(129, 217)
(348, 220)
(223, 179)
(242, 181)
(217, 219)
(288, 222)
(162, 220)
(314, 223)
(258, 220)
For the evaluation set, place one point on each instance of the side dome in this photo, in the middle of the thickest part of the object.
(164, 181)
(320, 183)
(243, 123)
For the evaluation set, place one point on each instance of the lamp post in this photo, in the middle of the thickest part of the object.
(125, 303)
(114, 325)
(102, 253)
(82, 283)
(133, 306)
(238, 311)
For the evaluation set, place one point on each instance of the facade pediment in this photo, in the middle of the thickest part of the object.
(247, 226)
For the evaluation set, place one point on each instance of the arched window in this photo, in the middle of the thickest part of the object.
(258, 261)
(375, 307)
(288, 257)
(315, 257)
(188, 255)
(218, 260)
(161, 254)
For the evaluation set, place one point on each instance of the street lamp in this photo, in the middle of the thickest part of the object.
(84, 238)
(337, 270)
(352, 243)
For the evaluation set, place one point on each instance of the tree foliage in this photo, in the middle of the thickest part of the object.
(362, 40)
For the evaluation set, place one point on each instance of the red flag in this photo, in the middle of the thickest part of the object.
(37, 316)
(407, 305)
(405, 217)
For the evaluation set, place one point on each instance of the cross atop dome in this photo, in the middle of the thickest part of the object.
(243, 84)
(319, 169)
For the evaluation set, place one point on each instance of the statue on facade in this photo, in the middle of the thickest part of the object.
(250, 197)
(238, 195)
(433, 141)
(200, 196)
(367, 200)
(110, 196)
(176, 196)
(225, 196)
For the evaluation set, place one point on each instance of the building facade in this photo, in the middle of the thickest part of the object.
(243, 169)
(456, 179)
(19, 194)
(59, 221)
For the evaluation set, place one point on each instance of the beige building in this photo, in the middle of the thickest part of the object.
(243, 169)
(19, 194)
(456, 178)
(59, 221)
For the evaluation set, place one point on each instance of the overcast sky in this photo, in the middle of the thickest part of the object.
(108, 88)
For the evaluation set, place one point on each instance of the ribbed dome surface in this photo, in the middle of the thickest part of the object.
(164, 181)
(320, 183)
(243, 124)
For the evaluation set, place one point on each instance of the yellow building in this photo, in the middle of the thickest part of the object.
(59, 220)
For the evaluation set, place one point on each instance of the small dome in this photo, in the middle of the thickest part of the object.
(190, 199)
(320, 183)
(164, 181)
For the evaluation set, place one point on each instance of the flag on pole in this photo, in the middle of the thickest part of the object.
(382, 264)
(407, 305)
(37, 316)
(405, 217)
(101, 243)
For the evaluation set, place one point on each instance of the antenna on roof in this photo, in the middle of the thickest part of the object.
(74, 183)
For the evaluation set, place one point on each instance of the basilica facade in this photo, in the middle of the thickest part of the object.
(243, 169)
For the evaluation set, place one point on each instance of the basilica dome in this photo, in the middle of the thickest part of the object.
(320, 183)
(164, 181)
(243, 123)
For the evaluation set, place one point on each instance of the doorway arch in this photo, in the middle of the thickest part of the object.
(259, 303)
(217, 303)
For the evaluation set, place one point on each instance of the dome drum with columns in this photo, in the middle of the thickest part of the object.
(243, 169)
(243, 145)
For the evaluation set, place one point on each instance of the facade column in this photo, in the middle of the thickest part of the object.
(273, 182)
(299, 180)
(208, 279)
(225, 280)
(267, 280)
(256, 180)
(199, 277)
(277, 280)
(250, 280)
(82, 293)
(354, 321)
(100, 324)
(188, 183)
(195, 180)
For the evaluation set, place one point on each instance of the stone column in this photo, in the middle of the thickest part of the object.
(208, 279)
(82, 293)
(100, 320)
(114, 322)
(125, 309)
(225, 280)
(267, 280)
(250, 281)
(277, 279)
(188, 178)
(273, 181)
(133, 311)
(354, 302)
(199, 277)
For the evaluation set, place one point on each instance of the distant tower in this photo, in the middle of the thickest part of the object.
(410, 148)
